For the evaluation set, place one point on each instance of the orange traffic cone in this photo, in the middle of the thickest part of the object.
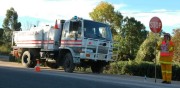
(56, 25)
(37, 67)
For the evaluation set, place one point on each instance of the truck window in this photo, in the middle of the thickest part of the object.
(75, 27)
(65, 29)
(97, 30)
(102, 31)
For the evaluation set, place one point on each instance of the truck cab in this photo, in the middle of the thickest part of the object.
(88, 42)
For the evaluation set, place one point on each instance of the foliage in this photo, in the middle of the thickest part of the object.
(176, 41)
(104, 12)
(117, 67)
(10, 24)
(176, 71)
(141, 69)
(129, 32)
(147, 49)
(4, 49)
(131, 36)
(11, 20)
(1, 34)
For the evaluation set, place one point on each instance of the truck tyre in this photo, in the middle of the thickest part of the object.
(68, 63)
(27, 60)
(97, 68)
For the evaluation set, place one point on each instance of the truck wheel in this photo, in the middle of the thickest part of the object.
(52, 65)
(68, 63)
(97, 68)
(27, 60)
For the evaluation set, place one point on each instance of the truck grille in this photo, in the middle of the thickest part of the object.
(102, 50)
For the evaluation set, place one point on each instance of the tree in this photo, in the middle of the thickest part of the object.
(1, 32)
(147, 50)
(176, 41)
(129, 32)
(1, 36)
(11, 20)
(132, 34)
(10, 24)
(104, 12)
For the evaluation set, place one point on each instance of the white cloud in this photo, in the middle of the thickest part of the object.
(119, 6)
(49, 9)
(65, 9)
(168, 18)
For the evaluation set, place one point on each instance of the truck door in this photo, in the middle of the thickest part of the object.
(65, 31)
(75, 30)
(71, 33)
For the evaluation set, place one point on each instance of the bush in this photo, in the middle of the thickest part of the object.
(176, 71)
(144, 68)
(141, 69)
(147, 49)
(118, 67)
(5, 49)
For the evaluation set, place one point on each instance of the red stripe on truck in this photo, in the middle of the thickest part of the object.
(71, 42)
(63, 42)
(35, 42)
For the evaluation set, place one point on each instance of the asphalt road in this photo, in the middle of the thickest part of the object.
(13, 75)
(22, 78)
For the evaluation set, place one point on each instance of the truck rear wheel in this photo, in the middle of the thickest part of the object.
(68, 63)
(27, 60)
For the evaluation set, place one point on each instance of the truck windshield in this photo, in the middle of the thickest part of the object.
(97, 30)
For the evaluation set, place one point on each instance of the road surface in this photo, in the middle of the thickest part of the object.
(13, 75)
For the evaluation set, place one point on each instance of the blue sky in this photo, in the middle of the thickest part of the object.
(43, 12)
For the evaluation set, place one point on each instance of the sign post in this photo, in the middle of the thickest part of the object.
(155, 25)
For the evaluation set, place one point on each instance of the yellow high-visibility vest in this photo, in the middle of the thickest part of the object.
(166, 48)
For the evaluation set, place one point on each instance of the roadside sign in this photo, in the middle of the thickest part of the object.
(155, 25)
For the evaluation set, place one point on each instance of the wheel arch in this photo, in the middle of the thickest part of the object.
(64, 51)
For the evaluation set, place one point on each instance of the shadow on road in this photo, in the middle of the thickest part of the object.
(4, 58)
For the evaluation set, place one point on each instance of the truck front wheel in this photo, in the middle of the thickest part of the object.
(68, 63)
(27, 60)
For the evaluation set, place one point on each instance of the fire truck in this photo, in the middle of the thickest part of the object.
(70, 43)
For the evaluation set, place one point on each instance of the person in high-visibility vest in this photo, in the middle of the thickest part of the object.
(166, 55)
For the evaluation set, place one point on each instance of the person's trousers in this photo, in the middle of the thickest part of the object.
(166, 72)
